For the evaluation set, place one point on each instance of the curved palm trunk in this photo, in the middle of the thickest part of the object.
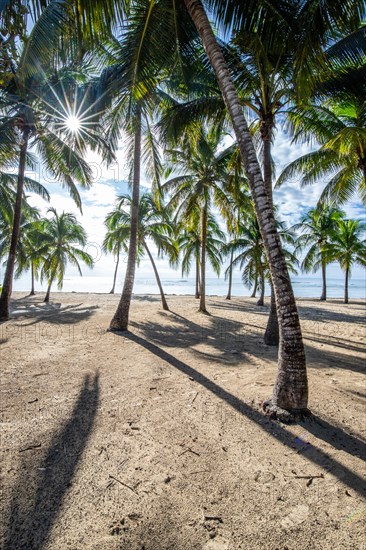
(120, 318)
(162, 295)
(47, 297)
(197, 294)
(262, 287)
(271, 334)
(346, 277)
(255, 288)
(32, 292)
(228, 297)
(115, 275)
(202, 307)
(323, 297)
(9, 272)
(290, 392)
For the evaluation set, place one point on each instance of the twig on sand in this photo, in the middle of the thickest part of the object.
(124, 484)
(189, 450)
(36, 446)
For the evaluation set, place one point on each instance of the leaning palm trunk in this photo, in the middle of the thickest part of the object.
(260, 301)
(255, 287)
(202, 307)
(120, 319)
(197, 294)
(346, 277)
(47, 297)
(115, 274)
(32, 292)
(162, 295)
(323, 297)
(9, 272)
(228, 297)
(271, 334)
(290, 392)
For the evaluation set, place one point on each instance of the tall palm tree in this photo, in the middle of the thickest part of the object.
(202, 184)
(317, 228)
(347, 247)
(58, 237)
(153, 224)
(37, 109)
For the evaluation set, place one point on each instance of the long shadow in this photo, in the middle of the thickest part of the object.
(53, 312)
(333, 359)
(31, 517)
(280, 433)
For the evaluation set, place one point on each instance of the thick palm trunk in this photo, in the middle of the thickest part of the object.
(115, 275)
(255, 288)
(47, 297)
(260, 301)
(162, 295)
(32, 292)
(228, 297)
(323, 297)
(120, 319)
(271, 334)
(197, 294)
(291, 389)
(9, 272)
(202, 307)
(346, 277)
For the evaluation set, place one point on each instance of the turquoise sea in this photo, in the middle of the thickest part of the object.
(304, 286)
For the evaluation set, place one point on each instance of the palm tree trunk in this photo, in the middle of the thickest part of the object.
(262, 287)
(32, 292)
(9, 272)
(120, 320)
(197, 294)
(47, 297)
(162, 295)
(323, 297)
(228, 297)
(290, 392)
(255, 288)
(202, 307)
(346, 286)
(115, 275)
(271, 334)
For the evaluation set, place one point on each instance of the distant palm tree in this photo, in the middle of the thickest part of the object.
(58, 237)
(202, 184)
(189, 243)
(317, 229)
(347, 247)
(153, 224)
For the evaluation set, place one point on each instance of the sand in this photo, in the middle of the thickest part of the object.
(156, 440)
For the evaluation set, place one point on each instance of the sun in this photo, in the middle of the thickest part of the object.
(73, 124)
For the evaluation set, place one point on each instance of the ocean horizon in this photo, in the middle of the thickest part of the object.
(304, 286)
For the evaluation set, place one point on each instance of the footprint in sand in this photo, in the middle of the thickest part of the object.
(297, 516)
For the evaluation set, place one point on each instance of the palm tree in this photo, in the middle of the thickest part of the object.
(317, 228)
(202, 184)
(347, 247)
(153, 224)
(58, 237)
(37, 109)
(189, 244)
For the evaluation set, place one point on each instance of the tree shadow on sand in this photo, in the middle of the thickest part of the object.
(333, 435)
(36, 502)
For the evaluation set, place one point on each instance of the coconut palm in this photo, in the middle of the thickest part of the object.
(58, 238)
(317, 228)
(153, 224)
(347, 247)
(189, 242)
(202, 183)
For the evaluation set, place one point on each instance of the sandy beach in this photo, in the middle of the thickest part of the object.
(156, 439)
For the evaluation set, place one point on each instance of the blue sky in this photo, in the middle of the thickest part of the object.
(108, 182)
